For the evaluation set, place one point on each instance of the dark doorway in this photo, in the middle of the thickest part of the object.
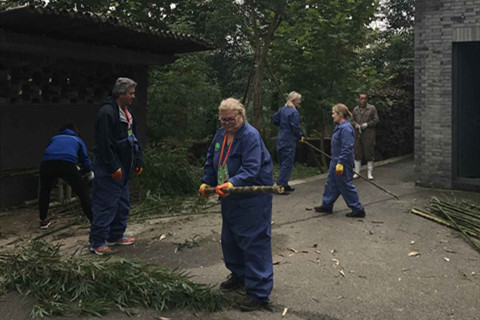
(466, 111)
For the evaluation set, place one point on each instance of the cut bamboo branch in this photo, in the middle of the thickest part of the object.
(364, 178)
(475, 246)
(249, 189)
(441, 221)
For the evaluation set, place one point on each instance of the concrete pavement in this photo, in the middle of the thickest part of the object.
(330, 266)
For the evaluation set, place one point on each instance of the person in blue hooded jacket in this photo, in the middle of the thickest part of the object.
(117, 156)
(238, 157)
(340, 172)
(288, 120)
(59, 160)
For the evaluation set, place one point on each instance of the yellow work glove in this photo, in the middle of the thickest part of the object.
(117, 175)
(201, 190)
(219, 188)
(339, 169)
(138, 170)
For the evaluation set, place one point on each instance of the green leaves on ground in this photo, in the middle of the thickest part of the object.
(62, 285)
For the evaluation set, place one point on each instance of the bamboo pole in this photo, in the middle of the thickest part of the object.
(475, 246)
(440, 220)
(248, 189)
(368, 180)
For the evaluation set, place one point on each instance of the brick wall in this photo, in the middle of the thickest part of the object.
(438, 24)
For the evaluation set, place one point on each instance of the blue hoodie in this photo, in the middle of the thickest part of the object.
(67, 146)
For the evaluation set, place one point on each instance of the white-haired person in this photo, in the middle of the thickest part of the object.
(288, 121)
(238, 157)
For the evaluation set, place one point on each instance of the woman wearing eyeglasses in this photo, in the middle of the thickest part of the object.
(237, 157)
(288, 119)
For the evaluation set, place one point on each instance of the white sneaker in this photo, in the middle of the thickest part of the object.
(370, 177)
(355, 176)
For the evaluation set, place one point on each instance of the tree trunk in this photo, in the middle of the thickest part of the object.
(258, 94)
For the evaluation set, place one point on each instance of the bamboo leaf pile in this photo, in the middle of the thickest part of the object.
(63, 285)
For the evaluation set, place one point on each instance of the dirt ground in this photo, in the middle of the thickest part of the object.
(325, 266)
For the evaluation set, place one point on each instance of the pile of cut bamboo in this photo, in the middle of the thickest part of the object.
(462, 215)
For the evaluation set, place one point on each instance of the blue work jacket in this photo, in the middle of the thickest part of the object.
(113, 148)
(343, 138)
(249, 162)
(288, 120)
(67, 146)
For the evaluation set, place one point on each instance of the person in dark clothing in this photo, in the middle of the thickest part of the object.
(59, 160)
(288, 120)
(117, 156)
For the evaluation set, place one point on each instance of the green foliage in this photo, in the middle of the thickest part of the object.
(316, 53)
(183, 100)
(299, 171)
(168, 172)
(157, 205)
(63, 285)
(395, 130)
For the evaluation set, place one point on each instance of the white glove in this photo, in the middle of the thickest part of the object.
(89, 176)
(364, 126)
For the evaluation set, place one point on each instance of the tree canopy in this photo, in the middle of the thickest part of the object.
(326, 50)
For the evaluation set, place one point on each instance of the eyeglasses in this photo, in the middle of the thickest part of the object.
(228, 120)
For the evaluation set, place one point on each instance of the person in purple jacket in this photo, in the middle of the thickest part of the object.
(340, 172)
(59, 160)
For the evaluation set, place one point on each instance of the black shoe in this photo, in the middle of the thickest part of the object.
(287, 188)
(248, 305)
(358, 214)
(322, 209)
(232, 283)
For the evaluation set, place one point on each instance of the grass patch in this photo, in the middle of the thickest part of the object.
(64, 285)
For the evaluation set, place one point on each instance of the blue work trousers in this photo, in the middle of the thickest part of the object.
(110, 206)
(341, 185)
(246, 245)
(286, 158)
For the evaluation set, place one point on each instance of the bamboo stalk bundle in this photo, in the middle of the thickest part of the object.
(462, 215)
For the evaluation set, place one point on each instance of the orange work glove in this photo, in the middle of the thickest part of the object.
(138, 170)
(302, 139)
(219, 188)
(201, 190)
(339, 169)
(117, 174)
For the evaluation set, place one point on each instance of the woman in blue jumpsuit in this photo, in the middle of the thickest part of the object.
(288, 119)
(340, 172)
(237, 157)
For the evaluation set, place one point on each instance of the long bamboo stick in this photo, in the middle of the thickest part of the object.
(475, 246)
(249, 189)
(441, 221)
(364, 178)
